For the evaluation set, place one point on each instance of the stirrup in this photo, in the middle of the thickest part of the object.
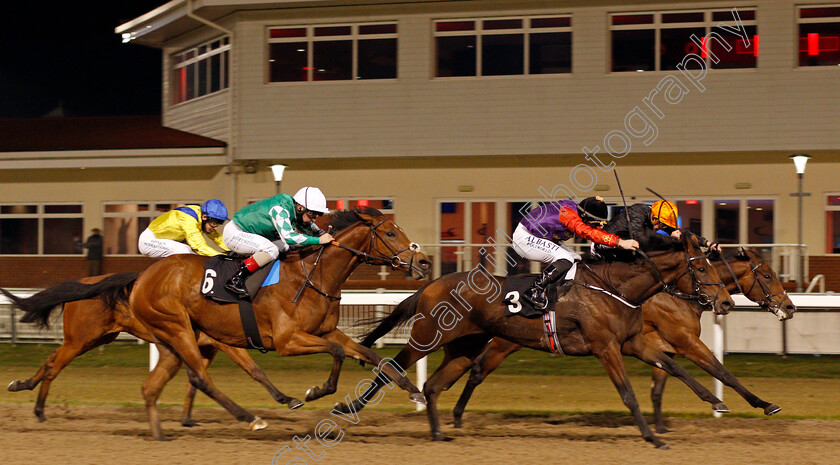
(240, 291)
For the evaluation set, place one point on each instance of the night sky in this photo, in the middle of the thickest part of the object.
(66, 53)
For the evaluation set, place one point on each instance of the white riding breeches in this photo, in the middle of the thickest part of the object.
(150, 246)
(246, 243)
(534, 248)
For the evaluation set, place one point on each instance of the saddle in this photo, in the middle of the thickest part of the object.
(218, 270)
(516, 286)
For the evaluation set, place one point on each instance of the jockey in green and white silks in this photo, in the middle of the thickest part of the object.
(253, 228)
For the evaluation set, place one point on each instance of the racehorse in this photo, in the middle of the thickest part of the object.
(672, 325)
(588, 322)
(90, 323)
(166, 300)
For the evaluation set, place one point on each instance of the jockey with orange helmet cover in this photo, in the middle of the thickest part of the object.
(179, 231)
(541, 232)
(661, 218)
(254, 228)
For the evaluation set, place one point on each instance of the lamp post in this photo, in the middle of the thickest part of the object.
(277, 171)
(799, 160)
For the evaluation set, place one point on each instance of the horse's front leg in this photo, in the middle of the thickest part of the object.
(359, 352)
(698, 353)
(641, 349)
(300, 343)
(244, 360)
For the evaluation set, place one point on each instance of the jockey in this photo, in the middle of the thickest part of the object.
(179, 231)
(659, 218)
(541, 232)
(254, 227)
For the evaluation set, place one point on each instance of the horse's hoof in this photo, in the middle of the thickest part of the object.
(438, 436)
(40, 414)
(295, 404)
(341, 407)
(188, 423)
(417, 398)
(720, 408)
(772, 409)
(457, 423)
(663, 446)
(258, 424)
(13, 386)
(662, 430)
(162, 438)
(311, 394)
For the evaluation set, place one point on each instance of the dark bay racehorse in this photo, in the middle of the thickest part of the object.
(672, 325)
(166, 300)
(91, 323)
(462, 311)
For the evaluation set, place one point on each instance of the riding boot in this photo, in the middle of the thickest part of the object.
(236, 284)
(536, 294)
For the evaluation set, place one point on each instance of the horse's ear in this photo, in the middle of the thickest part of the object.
(742, 254)
(366, 218)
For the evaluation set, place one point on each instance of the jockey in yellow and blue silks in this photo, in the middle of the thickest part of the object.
(255, 227)
(179, 231)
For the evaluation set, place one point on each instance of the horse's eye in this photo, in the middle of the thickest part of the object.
(390, 234)
(767, 276)
(701, 269)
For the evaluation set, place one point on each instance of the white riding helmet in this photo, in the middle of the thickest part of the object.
(312, 199)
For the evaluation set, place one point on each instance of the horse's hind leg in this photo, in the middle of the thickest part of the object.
(167, 367)
(181, 341)
(491, 358)
(209, 353)
(610, 357)
(458, 359)
(657, 387)
(241, 358)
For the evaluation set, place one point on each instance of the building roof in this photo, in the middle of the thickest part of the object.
(95, 133)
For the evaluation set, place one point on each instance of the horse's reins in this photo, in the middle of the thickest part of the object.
(769, 303)
(394, 261)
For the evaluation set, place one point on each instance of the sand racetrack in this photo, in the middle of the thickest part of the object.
(113, 434)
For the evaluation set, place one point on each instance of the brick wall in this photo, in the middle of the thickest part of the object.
(47, 271)
(826, 265)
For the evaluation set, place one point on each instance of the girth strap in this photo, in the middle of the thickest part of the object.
(551, 333)
(249, 325)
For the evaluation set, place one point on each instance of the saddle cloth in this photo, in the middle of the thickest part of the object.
(219, 269)
(513, 291)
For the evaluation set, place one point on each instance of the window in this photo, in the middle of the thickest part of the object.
(199, 71)
(659, 41)
(49, 229)
(727, 214)
(832, 224)
(332, 53)
(691, 215)
(503, 47)
(123, 223)
(819, 36)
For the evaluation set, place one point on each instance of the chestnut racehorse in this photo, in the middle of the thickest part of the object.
(588, 322)
(94, 322)
(672, 325)
(166, 300)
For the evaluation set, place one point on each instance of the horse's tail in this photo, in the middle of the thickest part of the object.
(401, 314)
(37, 309)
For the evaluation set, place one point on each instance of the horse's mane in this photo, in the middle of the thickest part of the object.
(343, 219)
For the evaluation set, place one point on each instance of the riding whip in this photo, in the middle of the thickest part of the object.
(626, 212)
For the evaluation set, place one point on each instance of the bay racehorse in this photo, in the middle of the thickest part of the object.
(672, 325)
(462, 311)
(90, 323)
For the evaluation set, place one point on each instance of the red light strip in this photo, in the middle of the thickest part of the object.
(813, 43)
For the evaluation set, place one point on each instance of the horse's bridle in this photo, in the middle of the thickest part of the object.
(698, 295)
(767, 303)
(394, 261)
(701, 297)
